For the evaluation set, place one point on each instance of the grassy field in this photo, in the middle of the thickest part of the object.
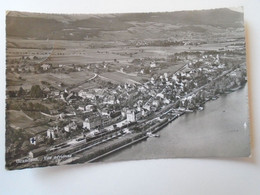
(80, 53)
(86, 86)
(18, 119)
(54, 79)
(118, 77)
(171, 69)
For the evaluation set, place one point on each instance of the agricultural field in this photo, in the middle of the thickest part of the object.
(55, 79)
(119, 77)
(19, 120)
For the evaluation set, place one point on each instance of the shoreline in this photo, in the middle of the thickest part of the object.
(125, 142)
(133, 141)
(154, 129)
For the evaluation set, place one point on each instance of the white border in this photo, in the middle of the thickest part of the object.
(176, 176)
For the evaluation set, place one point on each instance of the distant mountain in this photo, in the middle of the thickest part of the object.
(215, 17)
(79, 27)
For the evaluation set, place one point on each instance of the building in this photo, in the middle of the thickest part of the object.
(147, 107)
(37, 152)
(115, 114)
(50, 134)
(138, 115)
(123, 112)
(145, 112)
(156, 103)
(130, 116)
(45, 67)
(106, 120)
(89, 108)
(109, 100)
(69, 96)
(85, 95)
(32, 68)
(92, 122)
(70, 126)
(160, 95)
(105, 112)
(166, 101)
(81, 108)
(153, 65)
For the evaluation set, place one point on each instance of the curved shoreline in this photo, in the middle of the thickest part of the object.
(137, 137)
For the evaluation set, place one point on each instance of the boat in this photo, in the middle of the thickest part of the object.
(188, 110)
(200, 108)
(214, 98)
(245, 125)
(150, 134)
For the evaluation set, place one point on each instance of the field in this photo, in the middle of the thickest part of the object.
(30, 79)
(77, 53)
(80, 52)
(18, 119)
(119, 77)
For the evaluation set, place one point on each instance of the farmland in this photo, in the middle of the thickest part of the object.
(18, 119)
(29, 79)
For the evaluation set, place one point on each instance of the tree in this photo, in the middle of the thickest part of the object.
(146, 70)
(36, 92)
(25, 146)
(21, 92)
(186, 103)
(50, 141)
(11, 93)
(30, 106)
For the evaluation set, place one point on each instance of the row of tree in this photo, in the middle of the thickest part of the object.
(27, 106)
(34, 92)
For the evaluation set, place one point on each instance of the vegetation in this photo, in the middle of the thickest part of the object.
(36, 92)
(27, 106)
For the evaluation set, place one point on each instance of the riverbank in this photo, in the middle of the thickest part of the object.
(117, 145)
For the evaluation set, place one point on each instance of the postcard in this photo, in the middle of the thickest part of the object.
(113, 87)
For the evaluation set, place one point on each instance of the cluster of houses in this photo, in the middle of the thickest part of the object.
(101, 107)
(42, 68)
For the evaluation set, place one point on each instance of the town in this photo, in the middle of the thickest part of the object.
(85, 119)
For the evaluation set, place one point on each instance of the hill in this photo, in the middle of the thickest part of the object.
(80, 27)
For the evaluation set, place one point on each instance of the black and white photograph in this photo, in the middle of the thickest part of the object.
(86, 88)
